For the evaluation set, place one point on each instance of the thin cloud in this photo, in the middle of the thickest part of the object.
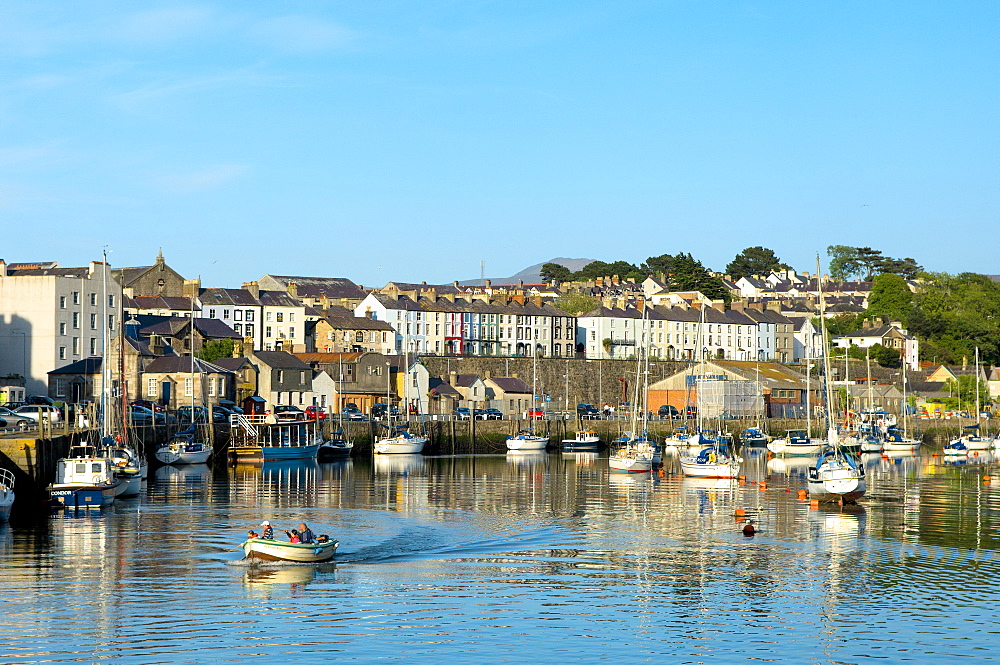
(206, 179)
(303, 34)
(164, 25)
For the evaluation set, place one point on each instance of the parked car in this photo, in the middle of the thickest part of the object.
(40, 399)
(200, 414)
(140, 415)
(536, 414)
(152, 406)
(493, 414)
(38, 411)
(3, 423)
(230, 406)
(462, 413)
(352, 412)
(587, 412)
(288, 412)
(668, 411)
(381, 408)
(14, 420)
(315, 413)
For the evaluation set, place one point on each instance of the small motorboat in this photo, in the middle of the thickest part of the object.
(184, 449)
(6, 494)
(84, 479)
(334, 448)
(266, 549)
(752, 436)
(585, 441)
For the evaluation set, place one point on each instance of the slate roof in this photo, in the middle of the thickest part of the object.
(78, 273)
(233, 364)
(880, 332)
(163, 302)
(90, 365)
(465, 380)
(442, 388)
(315, 287)
(173, 325)
(281, 360)
(219, 296)
(278, 299)
(510, 384)
(357, 323)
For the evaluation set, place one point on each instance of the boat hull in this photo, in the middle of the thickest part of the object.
(708, 470)
(275, 550)
(782, 447)
(83, 496)
(267, 453)
(581, 444)
(334, 449)
(6, 494)
(400, 445)
(184, 455)
(626, 461)
(527, 443)
(837, 489)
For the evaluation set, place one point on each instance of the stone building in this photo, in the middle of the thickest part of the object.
(158, 279)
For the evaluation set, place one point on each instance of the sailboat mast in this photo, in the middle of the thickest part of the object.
(830, 431)
(105, 399)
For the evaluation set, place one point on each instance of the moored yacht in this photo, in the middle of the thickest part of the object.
(84, 479)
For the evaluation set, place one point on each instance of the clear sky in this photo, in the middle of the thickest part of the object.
(410, 140)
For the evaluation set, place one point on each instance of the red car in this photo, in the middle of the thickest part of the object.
(315, 413)
(536, 414)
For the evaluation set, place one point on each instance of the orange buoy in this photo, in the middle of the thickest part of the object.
(763, 485)
(740, 512)
(987, 478)
(801, 492)
(814, 502)
(975, 453)
(935, 454)
(743, 478)
(986, 481)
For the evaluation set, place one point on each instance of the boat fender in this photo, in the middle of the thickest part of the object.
(97, 480)
(317, 550)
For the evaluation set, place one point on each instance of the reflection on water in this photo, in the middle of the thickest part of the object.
(449, 557)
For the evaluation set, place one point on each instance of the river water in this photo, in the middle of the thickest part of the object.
(517, 558)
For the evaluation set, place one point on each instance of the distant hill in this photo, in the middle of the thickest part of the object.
(530, 274)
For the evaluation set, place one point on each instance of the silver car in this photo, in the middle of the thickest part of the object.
(15, 420)
(38, 411)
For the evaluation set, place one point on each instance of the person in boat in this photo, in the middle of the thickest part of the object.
(293, 536)
(268, 531)
(322, 539)
(306, 534)
(252, 534)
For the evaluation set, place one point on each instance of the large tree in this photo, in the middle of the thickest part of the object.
(595, 269)
(891, 297)
(214, 349)
(754, 261)
(554, 272)
(685, 273)
(865, 263)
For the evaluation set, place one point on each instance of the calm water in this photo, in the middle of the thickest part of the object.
(529, 558)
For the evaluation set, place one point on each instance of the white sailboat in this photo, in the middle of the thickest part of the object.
(636, 453)
(797, 441)
(837, 475)
(399, 441)
(526, 439)
(187, 446)
(713, 457)
(971, 437)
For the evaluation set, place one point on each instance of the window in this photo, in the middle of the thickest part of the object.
(302, 377)
(249, 315)
(267, 331)
(280, 317)
(188, 386)
(111, 321)
(225, 313)
(111, 300)
(60, 387)
(211, 387)
(291, 332)
(93, 300)
(211, 313)
(76, 297)
(281, 376)
(62, 328)
(93, 346)
(76, 319)
(76, 346)
(62, 302)
(267, 316)
(151, 387)
(248, 331)
(93, 321)
(238, 327)
(222, 386)
(291, 316)
(238, 315)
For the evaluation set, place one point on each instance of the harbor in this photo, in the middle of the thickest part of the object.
(548, 554)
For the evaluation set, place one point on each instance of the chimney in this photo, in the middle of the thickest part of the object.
(3, 268)
(293, 290)
(489, 283)
(640, 303)
(615, 280)
(537, 300)
(599, 281)
(721, 305)
(369, 314)
(253, 288)
(520, 283)
(774, 306)
(738, 306)
(192, 287)
(452, 378)
(518, 298)
(487, 374)
(93, 267)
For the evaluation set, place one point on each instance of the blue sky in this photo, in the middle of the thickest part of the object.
(410, 140)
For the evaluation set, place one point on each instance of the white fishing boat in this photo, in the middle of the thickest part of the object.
(261, 549)
(896, 440)
(84, 479)
(400, 442)
(525, 440)
(127, 465)
(713, 461)
(584, 441)
(6, 494)
(184, 448)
